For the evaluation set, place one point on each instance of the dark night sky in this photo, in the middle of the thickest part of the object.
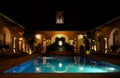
(79, 14)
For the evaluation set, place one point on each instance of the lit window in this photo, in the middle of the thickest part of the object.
(59, 17)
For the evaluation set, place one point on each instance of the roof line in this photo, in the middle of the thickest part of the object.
(6, 17)
(107, 23)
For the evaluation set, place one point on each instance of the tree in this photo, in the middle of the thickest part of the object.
(29, 37)
(88, 40)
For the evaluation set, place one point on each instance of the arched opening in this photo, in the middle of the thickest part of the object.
(6, 40)
(114, 38)
(7, 35)
(60, 44)
(59, 36)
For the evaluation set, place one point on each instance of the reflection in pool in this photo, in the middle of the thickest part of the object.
(64, 64)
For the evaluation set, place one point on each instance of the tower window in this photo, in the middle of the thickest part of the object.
(59, 17)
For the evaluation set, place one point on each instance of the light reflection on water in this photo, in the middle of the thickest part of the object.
(61, 64)
(65, 64)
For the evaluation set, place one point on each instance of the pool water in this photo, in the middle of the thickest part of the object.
(64, 64)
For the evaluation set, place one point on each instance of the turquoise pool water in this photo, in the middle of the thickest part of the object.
(64, 64)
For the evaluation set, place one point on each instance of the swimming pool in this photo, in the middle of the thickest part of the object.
(64, 64)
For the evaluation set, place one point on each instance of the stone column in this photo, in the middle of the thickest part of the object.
(106, 45)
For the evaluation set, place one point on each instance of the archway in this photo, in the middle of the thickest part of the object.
(114, 37)
(6, 40)
(59, 36)
(7, 36)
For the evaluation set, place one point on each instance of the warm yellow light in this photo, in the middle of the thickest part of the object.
(105, 45)
(80, 36)
(94, 46)
(30, 52)
(59, 35)
(60, 43)
(21, 38)
(38, 36)
(87, 51)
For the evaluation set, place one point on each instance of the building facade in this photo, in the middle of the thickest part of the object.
(45, 38)
(11, 36)
(108, 36)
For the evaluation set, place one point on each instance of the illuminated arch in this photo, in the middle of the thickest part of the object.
(111, 36)
(7, 34)
(59, 36)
